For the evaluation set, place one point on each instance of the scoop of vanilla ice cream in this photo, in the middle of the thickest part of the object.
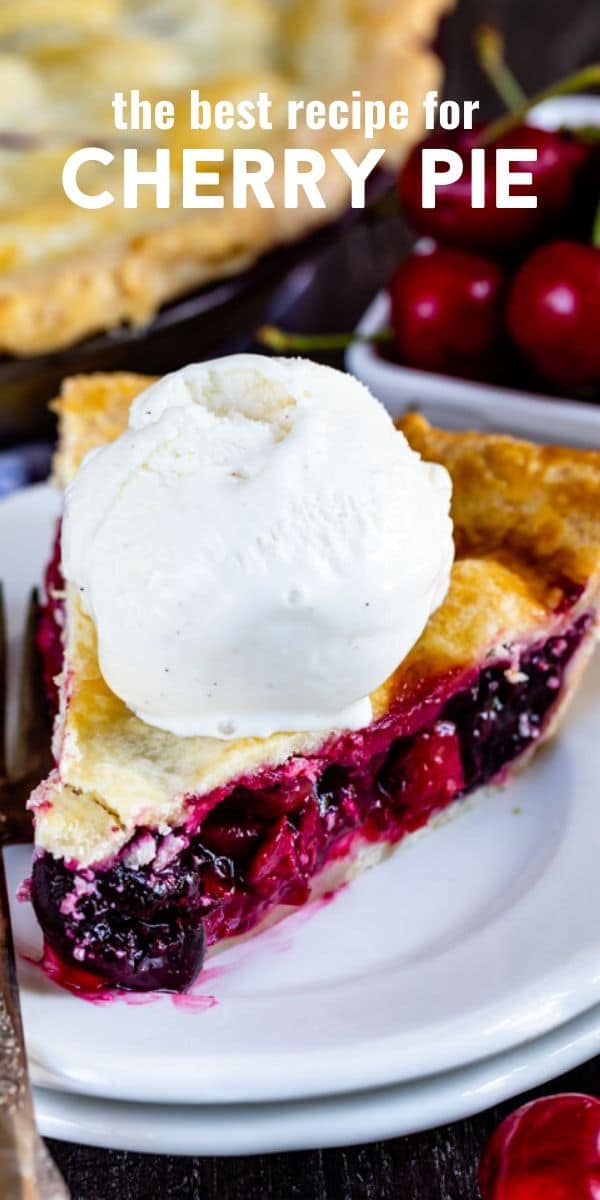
(258, 551)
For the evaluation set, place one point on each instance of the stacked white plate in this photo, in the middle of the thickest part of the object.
(460, 972)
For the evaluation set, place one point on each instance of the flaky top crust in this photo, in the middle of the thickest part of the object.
(537, 507)
(527, 523)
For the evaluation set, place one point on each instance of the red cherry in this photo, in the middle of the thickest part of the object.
(560, 159)
(546, 1150)
(446, 311)
(553, 313)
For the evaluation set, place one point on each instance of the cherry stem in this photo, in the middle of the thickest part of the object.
(596, 229)
(587, 77)
(279, 339)
(489, 47)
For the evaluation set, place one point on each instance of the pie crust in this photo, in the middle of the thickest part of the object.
(65, 272)
(151, 849)
(527, 529)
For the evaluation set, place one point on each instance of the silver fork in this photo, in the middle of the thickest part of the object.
(27, 1171)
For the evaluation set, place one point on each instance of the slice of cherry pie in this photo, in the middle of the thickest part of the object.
(150, 848)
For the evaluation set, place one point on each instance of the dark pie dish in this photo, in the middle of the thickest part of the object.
(87, 289)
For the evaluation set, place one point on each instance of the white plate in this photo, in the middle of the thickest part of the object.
(471, 940)
(330, 1121)
(460, 403)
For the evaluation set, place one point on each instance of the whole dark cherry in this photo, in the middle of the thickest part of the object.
(560, 160)
(447, 311)
(553, 313)
(546, 1150)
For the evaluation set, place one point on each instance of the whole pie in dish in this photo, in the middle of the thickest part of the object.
(67, 272)
(152, 848)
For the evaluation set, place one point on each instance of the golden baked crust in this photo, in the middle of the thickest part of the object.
(527, 523)
(92, 410)
(535, 506)
(67, 272)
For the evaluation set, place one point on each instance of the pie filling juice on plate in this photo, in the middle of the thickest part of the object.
(272, 652)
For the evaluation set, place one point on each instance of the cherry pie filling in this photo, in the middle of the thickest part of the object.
(144, 919)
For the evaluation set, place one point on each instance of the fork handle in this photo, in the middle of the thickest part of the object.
(21, 1149)
(18, 1168)
(26, 1170)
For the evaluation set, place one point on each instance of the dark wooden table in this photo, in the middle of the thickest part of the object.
(440, 1165)
(546, 38)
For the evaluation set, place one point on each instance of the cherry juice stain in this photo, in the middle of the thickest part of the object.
(92, 988)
